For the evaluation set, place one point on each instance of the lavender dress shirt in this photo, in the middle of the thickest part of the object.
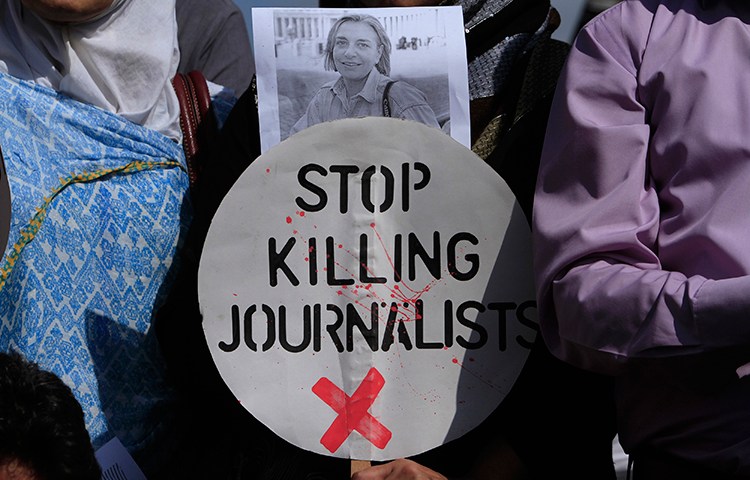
(642, 222)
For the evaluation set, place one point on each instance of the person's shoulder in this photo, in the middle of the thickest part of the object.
(404, 92)
(228, 7)
(208, 5)
(623, 7)
(328, 88)
(622, 31)
(329, 84)
(207, 12)
(623, 13)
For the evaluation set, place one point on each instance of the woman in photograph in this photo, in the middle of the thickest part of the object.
(360, 50)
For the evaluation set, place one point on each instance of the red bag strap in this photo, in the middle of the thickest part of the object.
(196, 118)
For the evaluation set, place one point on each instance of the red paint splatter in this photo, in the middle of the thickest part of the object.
(455, 360)
(288, 219)
(302, 214)
(268, 170)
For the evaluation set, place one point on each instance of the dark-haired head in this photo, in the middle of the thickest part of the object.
(42, 430)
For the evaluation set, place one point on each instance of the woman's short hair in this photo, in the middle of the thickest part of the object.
(384, 65)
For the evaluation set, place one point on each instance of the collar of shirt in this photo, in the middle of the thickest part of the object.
(369, 91)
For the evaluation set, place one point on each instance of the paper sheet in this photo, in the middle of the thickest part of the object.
(116, 462)
(428, 52)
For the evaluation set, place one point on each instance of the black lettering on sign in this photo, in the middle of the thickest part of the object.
(403, 321)
(415, 253)
(369, 182)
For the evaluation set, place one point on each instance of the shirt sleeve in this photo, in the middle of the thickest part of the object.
(311, 116)
(300, 124)
(213, 38)
(604, 297)
(409, 103)
(229, 57)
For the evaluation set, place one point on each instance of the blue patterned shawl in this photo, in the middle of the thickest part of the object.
(98, 207)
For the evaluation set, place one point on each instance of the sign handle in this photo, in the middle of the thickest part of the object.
(359, 465)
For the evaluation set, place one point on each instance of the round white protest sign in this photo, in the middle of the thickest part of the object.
(366, 289)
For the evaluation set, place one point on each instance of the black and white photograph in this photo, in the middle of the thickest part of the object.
(319, 65)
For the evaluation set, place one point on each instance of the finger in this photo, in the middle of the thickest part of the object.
(378, 472)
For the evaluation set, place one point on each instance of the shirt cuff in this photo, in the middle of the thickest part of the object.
(722, 312)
